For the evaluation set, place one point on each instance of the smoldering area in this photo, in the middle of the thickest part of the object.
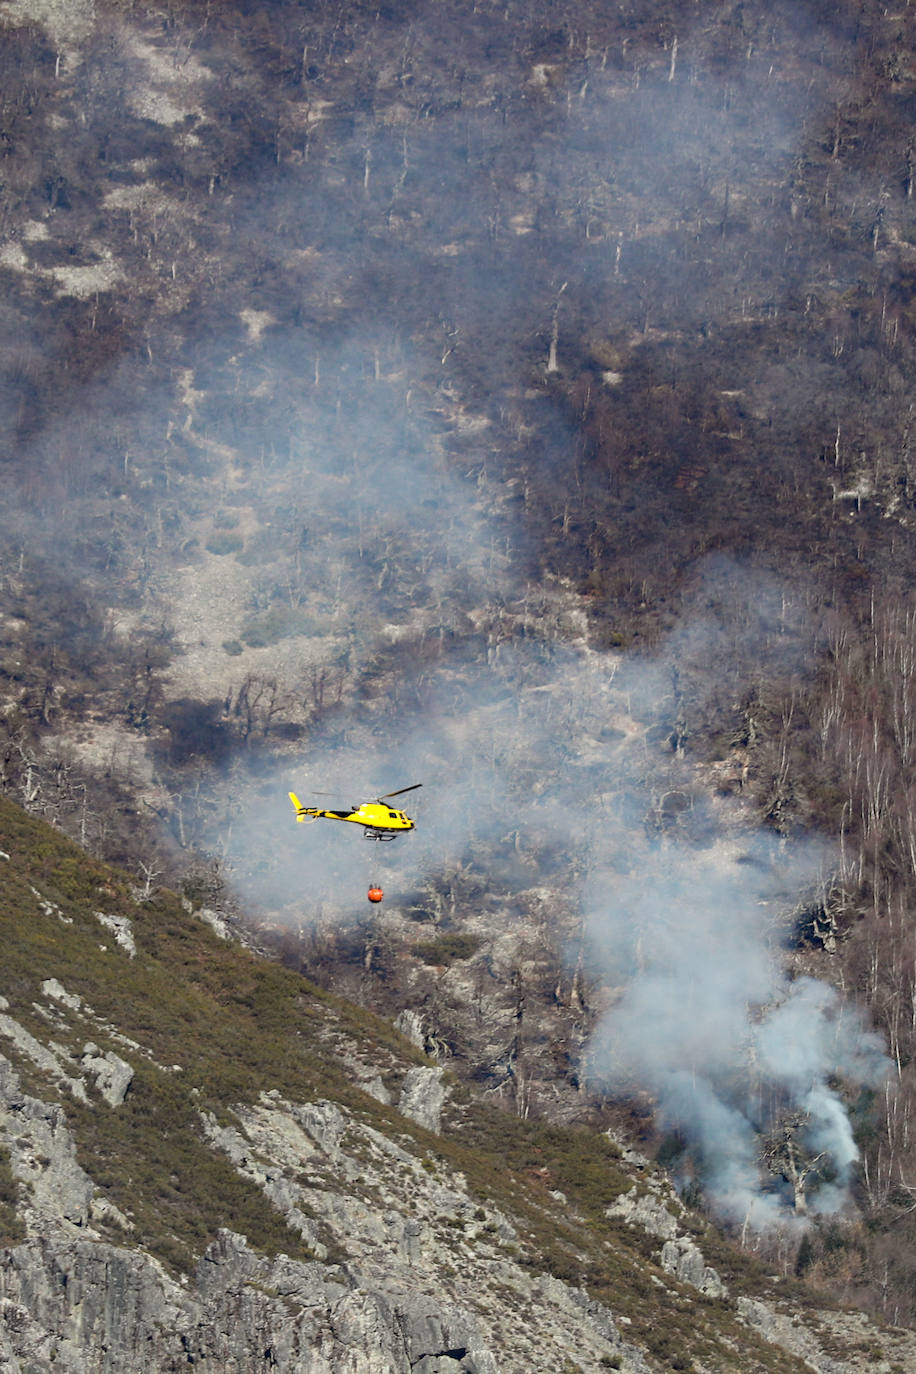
(349, 392)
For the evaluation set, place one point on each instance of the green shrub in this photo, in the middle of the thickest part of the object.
(224, 541)
(281, 622)
(11, 1228)
(447, 948)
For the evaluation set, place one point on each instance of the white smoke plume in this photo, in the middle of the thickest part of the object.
(686, 929)
(706, 1020)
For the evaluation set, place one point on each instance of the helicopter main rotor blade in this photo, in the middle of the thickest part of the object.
(400, 792)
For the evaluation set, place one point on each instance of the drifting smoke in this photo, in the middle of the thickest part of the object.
(706, 1020)
(547, 751)
(364, 526)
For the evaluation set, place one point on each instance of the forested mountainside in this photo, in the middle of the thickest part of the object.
(513, 399)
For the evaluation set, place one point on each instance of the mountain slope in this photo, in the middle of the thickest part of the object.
(206, 1160)
(368, 373)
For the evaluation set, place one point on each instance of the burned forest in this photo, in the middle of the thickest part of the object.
(515, 399)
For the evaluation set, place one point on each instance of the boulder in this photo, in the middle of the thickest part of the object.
(113, 1075)
(422, 1097)
(684, 1259)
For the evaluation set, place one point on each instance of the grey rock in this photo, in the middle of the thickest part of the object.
(42, 1157)
(422, 1097)
(324, 1123)
(647, 1211)
(837, 1342)
(52, 988)
(88, 1298)
(758, 1315)
(70, 1301)
(215, 922)
(50, 908)
(684, 1259)
(40, 1055)
(282, 1192)
(376, 1088)
(410, 1024)
(414, 1236)
(120, 927)
(104, 1211)
(113, 1075)
(680, 1255)
(439, 1341)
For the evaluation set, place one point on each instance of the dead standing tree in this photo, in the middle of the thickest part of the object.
(786, 1157)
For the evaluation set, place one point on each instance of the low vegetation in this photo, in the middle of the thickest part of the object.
(11, 1228)
(216, 1025)
(446, 948)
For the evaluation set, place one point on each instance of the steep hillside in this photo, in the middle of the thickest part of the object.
(513, 398)
(208, 1161)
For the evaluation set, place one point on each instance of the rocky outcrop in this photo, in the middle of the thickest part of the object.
(684, 1259)
(120, 928)
(93, 1307)
(216, 922)
(56, 1192)
(680, 1255)
(40, 1055)
(837, 1342)
(422, 1097)
(113, 1075)
(430, 1285)
(647, 1211)
(110, 1074)
(408, 1229)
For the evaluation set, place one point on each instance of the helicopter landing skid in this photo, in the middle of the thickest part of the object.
(370, 834)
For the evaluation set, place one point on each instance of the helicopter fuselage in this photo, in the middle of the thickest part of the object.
(380, 822)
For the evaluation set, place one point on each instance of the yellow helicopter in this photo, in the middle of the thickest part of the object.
(379, 821)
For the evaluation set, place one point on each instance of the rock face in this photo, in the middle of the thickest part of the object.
(93, 1307)
(40, 1055)
(680, 1255)
(112, 1074)
(646, 1210)
(121, 930)
(848, 1332)
(684, 1259)
(422, 1097)
(43, 1160)
(70, 1300)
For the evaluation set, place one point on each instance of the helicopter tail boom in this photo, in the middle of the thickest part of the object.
(303, 813)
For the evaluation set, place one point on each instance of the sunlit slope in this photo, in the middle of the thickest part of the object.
(216, 1033)
(204, 1023)
(231, 1063)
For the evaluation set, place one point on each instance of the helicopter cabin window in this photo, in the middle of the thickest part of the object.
(393, 815)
